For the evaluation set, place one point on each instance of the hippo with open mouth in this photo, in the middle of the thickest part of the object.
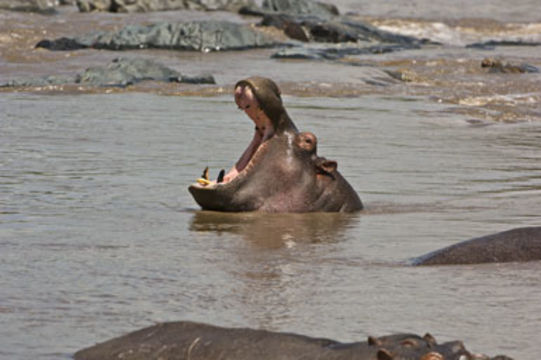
(280, 170)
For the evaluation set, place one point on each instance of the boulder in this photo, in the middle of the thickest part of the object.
(161, 5)
(39, 6)
(293, 8)
(337, 51)
(198, 35)
(335, 30)
(121, 72)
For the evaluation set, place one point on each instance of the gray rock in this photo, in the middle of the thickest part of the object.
(337, 51)
(293, 8)
(200, 36)
(300, 7)
(161, 5)
(491, 44)
(122, 72)
(43, 81)
(336, 30)
(93, 5)
(39, 6)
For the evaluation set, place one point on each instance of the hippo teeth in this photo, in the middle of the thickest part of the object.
(205, 174)
(221, 176)
(203, 182)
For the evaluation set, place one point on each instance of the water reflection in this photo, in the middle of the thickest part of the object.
(276, 230)
(271, 285)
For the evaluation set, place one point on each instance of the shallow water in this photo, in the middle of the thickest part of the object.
(99, 236)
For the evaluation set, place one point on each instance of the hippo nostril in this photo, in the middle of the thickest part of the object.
(409, 343)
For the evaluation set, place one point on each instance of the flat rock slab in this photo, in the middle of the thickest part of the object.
(292, 7)
(39, 6)
(338, 29)
(338, 51)
(121, 72)
(197, 35)
(123, 6)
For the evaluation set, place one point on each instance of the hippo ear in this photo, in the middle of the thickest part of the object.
(384, 354)
(430, 339)
(374, 341)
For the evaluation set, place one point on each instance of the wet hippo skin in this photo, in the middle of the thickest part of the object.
(188, 340)
(280, 170)
(520, 245)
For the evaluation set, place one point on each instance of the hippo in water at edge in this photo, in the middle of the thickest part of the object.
(519, 244)
(280, 170)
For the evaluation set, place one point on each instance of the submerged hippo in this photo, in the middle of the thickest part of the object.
(520, 244)
(280, 170)
(188, 340)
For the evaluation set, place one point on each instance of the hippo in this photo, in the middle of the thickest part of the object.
(196, 341)
(519, 244)
(280, 170)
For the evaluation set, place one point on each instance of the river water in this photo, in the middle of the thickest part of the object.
(99, 235)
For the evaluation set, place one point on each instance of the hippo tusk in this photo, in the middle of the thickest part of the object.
(205, 174)
(203, 182)
(221, 176)
(204, 179)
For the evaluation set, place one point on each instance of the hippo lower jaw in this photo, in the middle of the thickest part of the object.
(207, 195)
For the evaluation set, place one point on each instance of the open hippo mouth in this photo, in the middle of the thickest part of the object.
(253, 155)
(248, 101)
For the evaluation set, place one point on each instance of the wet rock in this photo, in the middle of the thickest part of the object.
(300, 7)
(42, 81)
(122, 72)
(188, 340)
(161, 5)
(498, 66)
(94, 5)
(337, 29)
(491, 44)
(198, 35)
(293, 8)
(62, 43)
(338, 51)
(39, 6)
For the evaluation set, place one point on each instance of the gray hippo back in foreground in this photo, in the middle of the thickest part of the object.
(195, 341)
(520, 245)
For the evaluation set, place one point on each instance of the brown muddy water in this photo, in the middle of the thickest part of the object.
(99, 235)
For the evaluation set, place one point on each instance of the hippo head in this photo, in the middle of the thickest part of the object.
(411, 346)
(280, 170)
